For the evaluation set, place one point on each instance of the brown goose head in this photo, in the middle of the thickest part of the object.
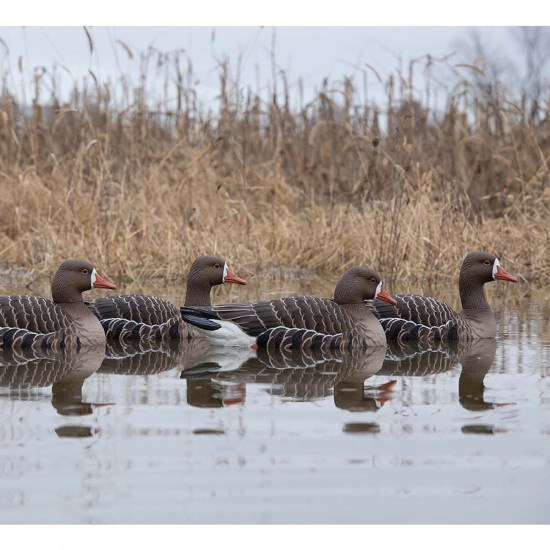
(484, 268)
(359, 284)
(206, 272)
(477, 269)
(74, 277)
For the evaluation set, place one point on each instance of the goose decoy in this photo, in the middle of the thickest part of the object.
(299, 322)
(418, 317)
(300, 374)
(37, 323)
(148, 318)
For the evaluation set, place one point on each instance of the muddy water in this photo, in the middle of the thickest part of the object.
(188, 434)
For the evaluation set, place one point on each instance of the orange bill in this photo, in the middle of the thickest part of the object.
(231, 277)
(100, 282)
(383, 295)
(503, 275)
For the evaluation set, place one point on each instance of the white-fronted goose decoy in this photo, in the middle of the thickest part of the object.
(299, 321)
(31, 322)
(423, 318)
(148, 318)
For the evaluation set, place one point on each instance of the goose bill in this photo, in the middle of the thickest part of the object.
(383, 295)
(100, 282)
(503, 275)
(231, 277)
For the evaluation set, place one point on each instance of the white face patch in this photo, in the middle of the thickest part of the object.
(378, 289)
(92, 278)
(495, 265)
(224, 273)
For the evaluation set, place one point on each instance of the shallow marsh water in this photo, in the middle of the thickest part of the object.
(194, 435)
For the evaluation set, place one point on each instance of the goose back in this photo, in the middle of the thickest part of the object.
(138, 317)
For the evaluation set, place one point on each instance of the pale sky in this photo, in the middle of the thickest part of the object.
(310, 53)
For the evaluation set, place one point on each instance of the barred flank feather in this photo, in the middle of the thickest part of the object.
(138, 317)
(421, 318)
(34, 323)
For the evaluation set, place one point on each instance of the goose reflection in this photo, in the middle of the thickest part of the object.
(476, 362)
(24, 372)
(220, 377)
(144, 358)
(417, 359)
(475, 357)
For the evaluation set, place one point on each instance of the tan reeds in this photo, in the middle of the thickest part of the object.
(141, 191)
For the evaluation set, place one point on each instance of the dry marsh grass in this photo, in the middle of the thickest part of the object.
(141, 191)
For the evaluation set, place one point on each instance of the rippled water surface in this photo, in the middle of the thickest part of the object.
(189, 434)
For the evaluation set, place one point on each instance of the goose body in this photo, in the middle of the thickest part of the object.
(299, 322)
(31, 322)
(149, 318)
(417, 317)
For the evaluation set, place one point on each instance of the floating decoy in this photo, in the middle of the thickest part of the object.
(148, 318)
(32, 322)
(417, 317)
(299, 322)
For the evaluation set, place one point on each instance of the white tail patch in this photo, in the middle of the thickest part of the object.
(228, 358)
(229, 334)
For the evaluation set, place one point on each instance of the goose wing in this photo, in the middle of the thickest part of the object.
(300, 312)
(139, 308)
(32, 313)
(32, 322)
(419, 309)
(137, 317)
(416, 317)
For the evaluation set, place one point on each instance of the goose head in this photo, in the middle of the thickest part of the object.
(359, 284)
(482, 267)
(213, 270)
(73, 277)
(206, 272)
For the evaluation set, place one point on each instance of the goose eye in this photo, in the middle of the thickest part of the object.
(487, 262)
(217, 266)
(373, 280)
(85, 271)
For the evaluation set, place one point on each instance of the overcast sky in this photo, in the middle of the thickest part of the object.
(305, 52)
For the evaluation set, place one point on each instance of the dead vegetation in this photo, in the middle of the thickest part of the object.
(141, 190)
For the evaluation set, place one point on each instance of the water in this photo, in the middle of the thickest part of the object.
(189, 434)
